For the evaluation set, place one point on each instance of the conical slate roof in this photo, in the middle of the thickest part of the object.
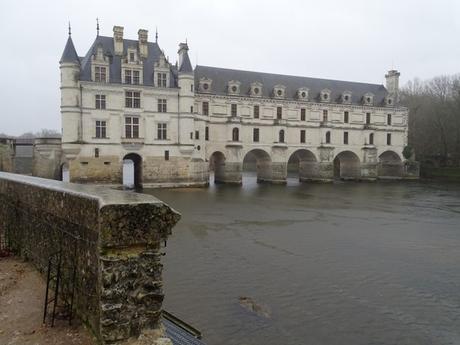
(186, 65)
(69, 54)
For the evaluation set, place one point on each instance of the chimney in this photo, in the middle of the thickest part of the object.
(183, 49)
(118, 40)
(392, 78)
(143, 46)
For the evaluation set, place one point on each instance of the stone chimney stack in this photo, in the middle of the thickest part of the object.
(118, 40)
(392, 78)
(143, 46)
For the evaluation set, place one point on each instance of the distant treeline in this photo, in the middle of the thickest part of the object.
(434, 120)
(44, 133)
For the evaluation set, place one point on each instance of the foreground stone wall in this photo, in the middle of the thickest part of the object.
(113, 237)
(6, 155)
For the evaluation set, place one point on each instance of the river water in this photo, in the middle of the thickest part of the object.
(342, 263)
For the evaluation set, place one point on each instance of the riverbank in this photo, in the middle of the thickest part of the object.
(446, 174)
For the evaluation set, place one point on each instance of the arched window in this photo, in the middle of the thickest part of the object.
(235, 134)
(328, 137)
(371, 139)
(281, 136)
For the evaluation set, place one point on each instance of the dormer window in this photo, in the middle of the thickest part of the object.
(368, 99)
(302, 94)
(389, 101)
(205, 85)
(279, 91)
(346, 97)
(233, 87)
(325, 95)
(131, 56)
(100, 74)
(161, 79)
(256, 89)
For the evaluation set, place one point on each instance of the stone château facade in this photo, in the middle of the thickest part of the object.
(125, 100)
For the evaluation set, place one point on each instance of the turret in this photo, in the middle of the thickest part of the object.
(186, 80)
(70, 95)
(392, 82)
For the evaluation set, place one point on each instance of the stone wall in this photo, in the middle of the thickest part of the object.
(6, 155)
(47, 158)
(112, 237)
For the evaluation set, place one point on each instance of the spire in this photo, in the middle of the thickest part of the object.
(70, 30)
(70, 54)
(156, 34)
(97, 26)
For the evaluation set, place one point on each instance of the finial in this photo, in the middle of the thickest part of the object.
(97, 26)
(185, 40)
(156, 34)
(70, 29)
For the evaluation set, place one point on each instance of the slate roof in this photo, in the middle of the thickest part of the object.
(69, 54)
(154, 53)
(186, 66)
(221, 76)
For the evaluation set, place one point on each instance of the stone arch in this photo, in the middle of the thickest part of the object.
(304, 163)
(217, 165)
(65, 172)
(390, 165)
(260, 161)
(132, 171)
(347, 166)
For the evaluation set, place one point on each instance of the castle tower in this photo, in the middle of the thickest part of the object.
(186, 79)
(70, 93)
(392, 83)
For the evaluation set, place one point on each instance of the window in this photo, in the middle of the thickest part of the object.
(131, 56)
(100, 74)
(325, 115)
(281, 136)
(133, 99)
(389, 119)
(191, 109)
(162, 131)
(279, 113)
(197, 135)
(255, 135)
(371, 139)
(345, 138)
(302, 114)
(256, 111)
(368, 118)
(191, 87)
(234, 110)
(166, 155)
(162, 108)
(136, 77)
(96, 153)
(132, 77)
(235, 134)
(100, 101)
(131, 127)
(328, 137)
(205, 108)
(345, 117)
(388, 139)
(191, 135)
(302, 136)
(161, 79)
(101, 129)
(206, 133)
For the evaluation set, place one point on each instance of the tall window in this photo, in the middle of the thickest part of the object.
(279, 113)
(234, 110)
(256, 111)
(136, 77)
(100, 101)
(325, 113)
(132, 76)
(302, 136)
(255, 135)
(302, 114)
(101, 129)
(371, 139)
(133, 99)
(205, 108)
(389, 119)
(166, 155)
(162, 131)
(197, 135)
(161, 79)
(368, 118)
(345, 138)
(328, 137)
(131, 127)
(281, 136)
(345, 117)
(235, 134)
(162, 105)
(206, 133)
(131, 56)
(388, 139)
(100, 74)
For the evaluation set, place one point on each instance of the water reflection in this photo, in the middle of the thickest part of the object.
(343, 263)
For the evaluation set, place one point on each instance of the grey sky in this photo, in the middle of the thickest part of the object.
(355, 40)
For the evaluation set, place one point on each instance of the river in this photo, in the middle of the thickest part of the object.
(343, 263)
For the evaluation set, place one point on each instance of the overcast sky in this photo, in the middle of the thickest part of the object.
(356, 40)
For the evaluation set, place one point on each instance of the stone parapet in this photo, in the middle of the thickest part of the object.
(113, 239)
